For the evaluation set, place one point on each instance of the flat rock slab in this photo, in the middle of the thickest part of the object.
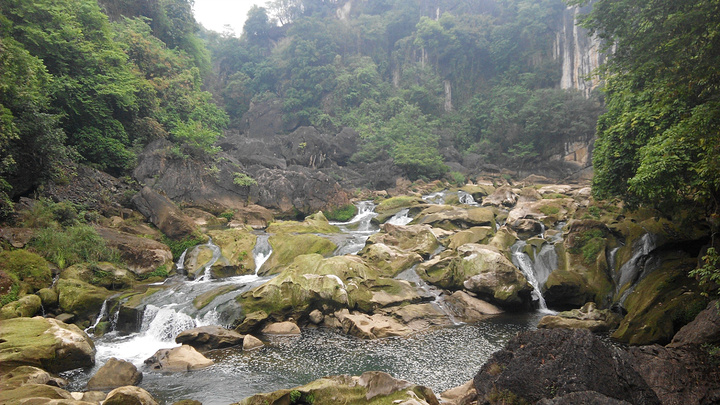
(183, 358)
(281, 328)
(210, 337)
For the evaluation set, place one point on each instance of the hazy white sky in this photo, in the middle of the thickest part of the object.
(215, 14)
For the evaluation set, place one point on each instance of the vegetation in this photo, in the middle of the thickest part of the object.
(177, 247)
(76, 244)
(243, 180)
(342, 214)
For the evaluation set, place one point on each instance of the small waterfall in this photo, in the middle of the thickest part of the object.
(262, 251)
(402, 217)
(546, 261)
(630, 271)
(523, 262)
(435, 198)
(467, 199)
(207, 276)
(357, 230)
(429, 291)
(180, 265)
(101, 315)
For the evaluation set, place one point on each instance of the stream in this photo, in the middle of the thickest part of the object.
(439, 358)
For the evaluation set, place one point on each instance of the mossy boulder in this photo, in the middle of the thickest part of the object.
(48, 297)
(286, 247)
(661, 303)
(478, 191)
(80, 298)
(106, 275)
(482, 269)
(476, 234)
(37, 394)
(453, 218)
(503, 239)
(587, 317)
(372, 388)
(419, 239)
(28, 269)
(26, 306)
(316, 223)
(394, 204)
(141, 255)
(45, 343)
(389, 260)
(236, 247)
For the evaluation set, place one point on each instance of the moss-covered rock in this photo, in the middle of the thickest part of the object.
(414, 238)
(45, 343)
(476, 234)
(48, 297)
(80, 298)
(40, 393)
(452, 218)
(661, 303)
(389, 260)
(106, 275)
(316, 223)
(286, 247)
(395, 204)
(236, 246)
(28, 305)
(478, 191)
(587, 317)
(30, 270)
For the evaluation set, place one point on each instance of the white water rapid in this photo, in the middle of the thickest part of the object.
(357, 230)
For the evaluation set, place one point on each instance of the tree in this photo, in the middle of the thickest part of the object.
(659, 142)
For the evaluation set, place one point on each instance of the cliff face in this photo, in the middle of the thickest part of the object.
(578, 51)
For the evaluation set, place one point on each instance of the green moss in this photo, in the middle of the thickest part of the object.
(159, 273)
(342, 214)
(177, 247)
(550, 209)
(504, 397)
(28, 269)
(287, 247)
(396, 203)
(316, 223)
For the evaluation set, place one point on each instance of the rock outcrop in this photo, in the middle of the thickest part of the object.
(205, 338)
(113, 374)
(140, 255)
(164, 214)
(588, 317)
(183, 358)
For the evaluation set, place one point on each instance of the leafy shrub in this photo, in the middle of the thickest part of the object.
(229, 215)
(76, 244)
(457, 178)
(342, 214)
(589, 244)
(243, 180)
(550, 209)
(709, 273)
(10, 296)
(177, 247)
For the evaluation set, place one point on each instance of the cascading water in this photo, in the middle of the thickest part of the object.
(357, 230)
(430, 291)
(402, 217)
(101, 315)
(207, 267)
(636, 268)
(522, 261)
(435, 198)
(261, 251)
(467, 199)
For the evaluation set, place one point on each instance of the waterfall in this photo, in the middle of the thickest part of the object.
(207, 276)
(357, 230)
(101, 315)
(429, 291)
(435, 198)
(262, 251)
(180, 265)
(634, 269)
(402, 217)
(467, 198)
(523, 262)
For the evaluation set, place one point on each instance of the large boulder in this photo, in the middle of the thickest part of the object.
(45, 343)
(205, 338)
(164, 214)
(452, 218)
(587, 317)
(281, 328)
(704, 329)
(502, 197)
(370, 387)
(482, 269)
(414, 238)
(102, 274)
(389, 260)
(30, 271)
(550, 363)
(183, 358)
(129, 395)
(287, 246)
(236, 247)
(372, 326)
(113, 374)
(140, 255)
(476, 234)
(80, 298)
(26, 306)
(470, 309)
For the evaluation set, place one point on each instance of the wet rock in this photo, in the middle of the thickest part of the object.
(470, 309)
(705, 328)
(452, 218)
(80, 298)
(113, 374)
(372, 327)
(205, 338)
(281, 328)
(550, 363)
(252, 321)
(388, 260)
(163, 214)
(678, 375)
(129, 395)
(587, 317)
(26, 306)
(476, 234)
(183, 358)
(286, 247)
(250, 342)
(414, 238)
(29, 375)
(46, 343)
(236, 247)
(140, 255)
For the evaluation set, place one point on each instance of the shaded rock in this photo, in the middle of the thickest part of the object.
(16, 237)
(163, 214)
(250, 342)
(26, 306)
(525, 227)
(316, 317)
(679, 376)
(129, 395)
(705, 328)
(461, 395)
(46, 343)
(140, 255)
(583, 397)
(48, 297)
(372, 327)
(281, 328)
(555, 362)
(209, 337)
(23, 375)
(470, 309)
(113, 374)
(252, 321)
(415, 238)
(587, 317)
(103, 274)
(183, 358)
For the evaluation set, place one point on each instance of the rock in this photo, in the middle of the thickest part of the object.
(37, 394)
(587, 317)
(419, 316)
(316, 317)
(46, 343)
(525, 228)
(129, 395)
(678, 375)
(372, 327)
(281, 328)
(23, 375)
(65, 317)
(452, 218)
(251, 321)
(470, 309)
(583, 397)
(705, 328)
(113, 374)
(482, 269)
(461, 395)
(209, 337)
(415, 238)
(254, 216)
(94, 397)
(26, 306)
(550, 363)
(48, 297)
(187, 402)
(250, 342)
(17, 237)
(476, 234)
(164, 214)
(29, 270)
(80, 298)
(501, 197)
(183, 358)
(103, 274)
(140, 255)
(388, 260)
(236, 246)
(286, 247)
(371, 387)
